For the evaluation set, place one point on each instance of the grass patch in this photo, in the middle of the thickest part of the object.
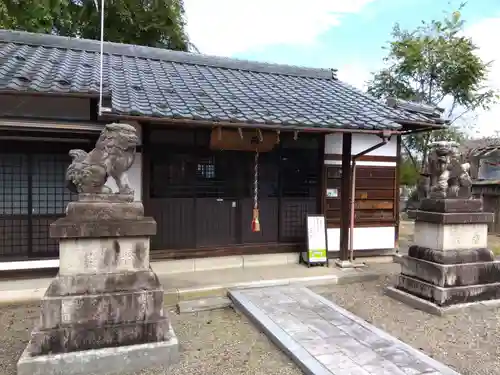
(495, 249)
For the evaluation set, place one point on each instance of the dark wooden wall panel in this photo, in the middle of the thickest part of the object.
(268, 217)
(173, 216)
(215, 222)
(491, 203)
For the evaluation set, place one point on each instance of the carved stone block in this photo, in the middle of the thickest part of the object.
(101, 309)
(445, 237)
(102, 255)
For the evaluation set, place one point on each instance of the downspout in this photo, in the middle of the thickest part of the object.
(386, 136)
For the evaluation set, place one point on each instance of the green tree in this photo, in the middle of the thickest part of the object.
(155, 23)
(408, 173)
(434, 64)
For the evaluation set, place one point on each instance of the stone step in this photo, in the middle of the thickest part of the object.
(100, 309)
(203, 304)
(80, 337)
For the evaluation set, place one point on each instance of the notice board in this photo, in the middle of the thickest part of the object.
(316, 239)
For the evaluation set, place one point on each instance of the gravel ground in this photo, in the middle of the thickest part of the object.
(467, 342)
(219, 342)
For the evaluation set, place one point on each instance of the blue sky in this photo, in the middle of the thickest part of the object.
(360, 36)
(344, 34)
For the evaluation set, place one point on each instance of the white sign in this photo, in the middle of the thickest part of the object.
(316, 238)
(332, 193)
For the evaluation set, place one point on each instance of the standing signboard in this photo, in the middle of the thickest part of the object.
(316, 244)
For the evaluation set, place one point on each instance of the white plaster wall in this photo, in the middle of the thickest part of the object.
(135, 171)
(360, 142)
(369, 238)
(134, 177)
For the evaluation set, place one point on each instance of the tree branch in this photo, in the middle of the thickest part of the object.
(410, 155)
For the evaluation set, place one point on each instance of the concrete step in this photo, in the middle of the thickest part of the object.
(203, 304)
(190, 286)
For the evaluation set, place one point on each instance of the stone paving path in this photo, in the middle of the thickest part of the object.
(324, 339)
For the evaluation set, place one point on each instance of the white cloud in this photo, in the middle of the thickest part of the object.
(355, 74)
(226, 27)
(485, 35)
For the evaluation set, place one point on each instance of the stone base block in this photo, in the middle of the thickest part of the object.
(451, 256)
(104, 210)
(70, 228)
(432, 308)
(120, 360)
(64, 285)
(445, 275)
(451, 205)
(112, 197)
(100, 309)
(445, 237)
(79, 337)
(101, 255)
(448, 296)
(455, 218)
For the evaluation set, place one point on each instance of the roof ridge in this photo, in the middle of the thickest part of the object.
(90, 45)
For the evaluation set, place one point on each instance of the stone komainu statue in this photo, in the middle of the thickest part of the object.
(449, 178)
(112, 156)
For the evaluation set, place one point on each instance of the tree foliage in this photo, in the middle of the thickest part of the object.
(155, 23)
(434, 64)
(408, 173)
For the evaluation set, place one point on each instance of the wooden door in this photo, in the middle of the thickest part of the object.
(219, 183)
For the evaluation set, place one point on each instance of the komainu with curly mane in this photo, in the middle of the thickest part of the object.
(112, 156)
(449, 178)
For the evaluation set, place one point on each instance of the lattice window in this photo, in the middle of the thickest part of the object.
(206, 169)
(300, 171)
(293, 218)
(49, 193)
(14, 195)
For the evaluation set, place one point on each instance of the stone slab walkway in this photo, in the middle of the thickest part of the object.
(325, 339)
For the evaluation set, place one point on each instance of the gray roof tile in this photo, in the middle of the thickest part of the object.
(153, 82)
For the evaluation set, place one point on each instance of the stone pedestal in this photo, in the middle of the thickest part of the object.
(103, 313)
(449, 262)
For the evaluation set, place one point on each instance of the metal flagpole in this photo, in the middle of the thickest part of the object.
(102, 57)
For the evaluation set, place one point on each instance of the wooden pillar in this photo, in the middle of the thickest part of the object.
(146, 164)
(322, 177)
(397, 195)
(345, 193)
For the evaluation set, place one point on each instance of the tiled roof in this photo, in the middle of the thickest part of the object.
(480, 146)
(153, 82)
